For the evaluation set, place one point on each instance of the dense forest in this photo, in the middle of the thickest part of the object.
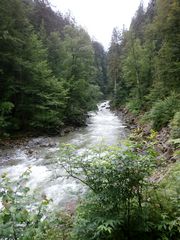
(51, 74)
(144, 64)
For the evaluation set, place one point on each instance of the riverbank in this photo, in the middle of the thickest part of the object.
(168, 152)
(164, 146)
(22, 138)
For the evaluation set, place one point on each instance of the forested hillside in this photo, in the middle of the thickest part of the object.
(51, 73)
(144, 65)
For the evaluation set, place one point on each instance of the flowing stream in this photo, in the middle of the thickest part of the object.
(40, 154)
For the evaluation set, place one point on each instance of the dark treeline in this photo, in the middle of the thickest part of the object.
(144, 66)
(51, 74)
(48, 68)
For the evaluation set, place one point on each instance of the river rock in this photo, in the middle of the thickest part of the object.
(30, 151)
(41, 142)
(103, 106)
(66, 130)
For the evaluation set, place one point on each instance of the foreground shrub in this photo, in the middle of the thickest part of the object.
(17, 219)
(117, 179)
(121, 202)
(134, 106)
(22, 217)
(175, 126)
(163, 111)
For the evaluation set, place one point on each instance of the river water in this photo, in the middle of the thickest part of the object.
(41, 154)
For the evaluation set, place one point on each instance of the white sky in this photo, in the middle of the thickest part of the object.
(99, 17)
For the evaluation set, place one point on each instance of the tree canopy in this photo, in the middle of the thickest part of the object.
(143, 62)
(48, 68)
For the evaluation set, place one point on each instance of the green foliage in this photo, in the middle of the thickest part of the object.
(56, 226)
(79, 72)
(163, 111)
(5, 110)
(6, 107)
(23, 217)
(134, 106)
(109, 161)
(19, 218)
(48, 70)
(100, 64)
(171, 181)
(143, 70)
(117, 178)
(158, 91)
(175, 126)
(168, 193)
(122, 203)
(145, 60)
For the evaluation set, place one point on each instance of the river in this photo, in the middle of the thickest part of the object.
(41, 153)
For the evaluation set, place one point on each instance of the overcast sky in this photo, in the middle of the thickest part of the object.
(99, 17)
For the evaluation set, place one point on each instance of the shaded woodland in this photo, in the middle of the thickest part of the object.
(51, 73)
(144, 64)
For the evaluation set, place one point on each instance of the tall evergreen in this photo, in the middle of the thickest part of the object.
(144, 63)
(100, 58)
(47, 69)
